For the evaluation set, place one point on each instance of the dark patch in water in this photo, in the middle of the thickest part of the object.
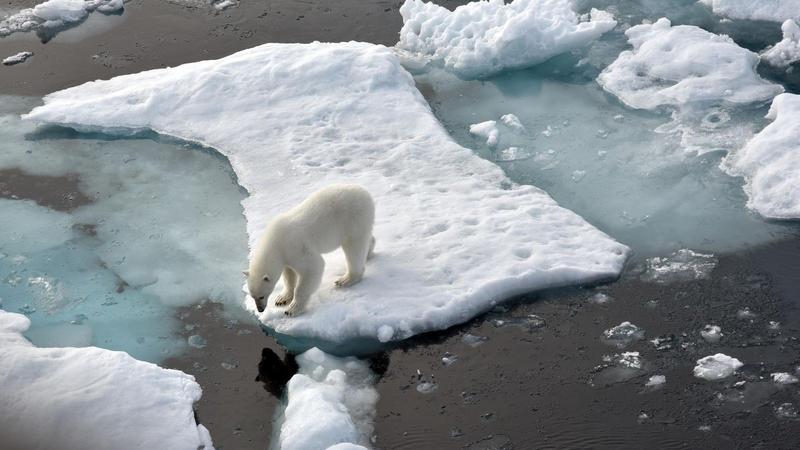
(61, 193)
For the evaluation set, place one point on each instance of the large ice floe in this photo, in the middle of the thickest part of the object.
(771, 10)
(787, 51)
(454, 235)
(90, 398)
(330, 401)
(770, 162)
(483, 38)
(676, 65)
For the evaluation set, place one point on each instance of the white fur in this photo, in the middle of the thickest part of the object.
(340, 215)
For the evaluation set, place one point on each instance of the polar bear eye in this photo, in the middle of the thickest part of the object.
(266, 279)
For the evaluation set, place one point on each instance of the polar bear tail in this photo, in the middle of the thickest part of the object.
(371, 252)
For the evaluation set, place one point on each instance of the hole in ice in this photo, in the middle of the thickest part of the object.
(105, 236)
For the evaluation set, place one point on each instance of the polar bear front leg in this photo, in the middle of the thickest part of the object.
(289, 285)
(356, 253)
(308, 281)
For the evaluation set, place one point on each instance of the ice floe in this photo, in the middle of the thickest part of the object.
(18, 58)
(623, 334)
(486, 37)
(771, 10)
(716, 367)
(454, 235)
(784, 378)
(770, 162)
(675, 65)
(711, 333)
(487, 130)
(656, 381)
(89, 398)
(330, 401)
(787, 51)
(54, 15)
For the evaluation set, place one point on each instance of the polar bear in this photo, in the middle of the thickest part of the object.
(293, 244)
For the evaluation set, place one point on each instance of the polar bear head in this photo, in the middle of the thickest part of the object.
(261, 283)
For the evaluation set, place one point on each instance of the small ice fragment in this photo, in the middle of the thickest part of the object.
(745, 314)
(512, 154)
(427, 387)
(449, 359)
(656, 381)
(623, 334)
(197, 341)
(512, 121)
(784, 378)
(385, 333)
(786, 411)
(473, 340)
(224, 4)
(487, 130)
(20, 57)
(456, 433)
(773, 325)
(642, 417)
(548, 131)
(711, 333)
(631, 360)
(716, 367)
(600, 299)
(27, 309)
(243, 332)
(704, 428)
(229, 365)
(619, 117)
(78, 320)
(578, 175)
(602, 153)
(682, 265)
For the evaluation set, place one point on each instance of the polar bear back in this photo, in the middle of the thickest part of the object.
(332, 216)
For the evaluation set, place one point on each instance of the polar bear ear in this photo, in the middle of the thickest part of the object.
(266, 279)
(246, 273)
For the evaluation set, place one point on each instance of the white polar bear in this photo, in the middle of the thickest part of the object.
(293, 244)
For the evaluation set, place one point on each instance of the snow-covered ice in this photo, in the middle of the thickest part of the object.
(716, 367)
(656, 381)
(54, 15)
(486, 37)
(770, 162)
(787, 51)
(487, 130)
(18, 58)
(119, 400)
(330, 401)
(772, 10)
(454, 235)
(676, 65)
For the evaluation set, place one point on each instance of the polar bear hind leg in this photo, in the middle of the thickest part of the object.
(356, 251)
(289, 285)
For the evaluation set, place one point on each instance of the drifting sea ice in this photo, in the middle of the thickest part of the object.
(711, 333)
(774, 10)
(770, 162)
(329, 401)
(454, 235)
(784, 378)
(716, 367)
(20, 57)
(683, 265)
(151, 236)
(129, 403)
(787, 51)
(676, 65)
(484, 38)
(623, 334)
(54, 15)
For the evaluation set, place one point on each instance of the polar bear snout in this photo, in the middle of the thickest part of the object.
(260, 303)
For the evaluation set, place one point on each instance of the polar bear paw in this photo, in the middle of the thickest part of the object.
(347, 280)
(293, 310)
(283, 299)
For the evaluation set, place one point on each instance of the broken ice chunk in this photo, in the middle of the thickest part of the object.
(711, 333)
(623, 334)
(716, 367)
(784, 378)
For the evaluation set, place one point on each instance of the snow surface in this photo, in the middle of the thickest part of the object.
(787, 51)
(56, 14)
(716, 367)
(454, 236)
(120, 400)
(331, 401)
(16, 59)
(682, 64)
(486, 37)
(772, 10)
(770, 162)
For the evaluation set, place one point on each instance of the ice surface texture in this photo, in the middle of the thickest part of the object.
(770, 162)
(787, 51)
(91, 398)
(330, 401)
(681, 64)
(483, 38)
(716, 367)
(454, 235)
(773, 10)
